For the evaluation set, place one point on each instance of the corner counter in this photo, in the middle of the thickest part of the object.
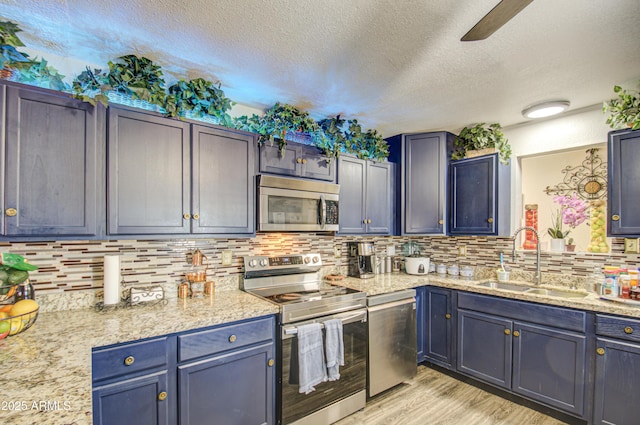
(46, 370)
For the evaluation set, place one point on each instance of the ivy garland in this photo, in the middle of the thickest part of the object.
(140, 78)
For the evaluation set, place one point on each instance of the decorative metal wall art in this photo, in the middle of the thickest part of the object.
(588, 180)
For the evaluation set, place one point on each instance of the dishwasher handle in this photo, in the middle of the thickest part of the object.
(373, 309)
(388, 297)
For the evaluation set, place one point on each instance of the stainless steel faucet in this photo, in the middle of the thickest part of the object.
(513, 253)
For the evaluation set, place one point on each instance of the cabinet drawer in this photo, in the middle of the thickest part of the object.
(541, 314)
(129, 358)
(223, 338)
(618, 327)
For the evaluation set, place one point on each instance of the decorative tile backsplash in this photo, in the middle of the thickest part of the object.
(75, 266)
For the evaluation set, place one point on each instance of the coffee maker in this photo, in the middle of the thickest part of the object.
(362, 260)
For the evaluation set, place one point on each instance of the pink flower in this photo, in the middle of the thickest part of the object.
(574, 210)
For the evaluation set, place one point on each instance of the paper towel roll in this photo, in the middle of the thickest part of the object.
(111, 279)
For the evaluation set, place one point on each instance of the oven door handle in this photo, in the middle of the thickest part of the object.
(359, 316)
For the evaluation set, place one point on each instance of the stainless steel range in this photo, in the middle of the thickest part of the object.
(293, 282)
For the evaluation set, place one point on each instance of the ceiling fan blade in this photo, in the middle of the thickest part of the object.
(497, 17)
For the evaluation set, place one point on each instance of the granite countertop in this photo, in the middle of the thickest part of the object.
(47, 369)
(390, 282)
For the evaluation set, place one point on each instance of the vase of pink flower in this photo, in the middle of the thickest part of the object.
(573, 212)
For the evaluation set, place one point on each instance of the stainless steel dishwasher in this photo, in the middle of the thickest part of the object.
(392, 356)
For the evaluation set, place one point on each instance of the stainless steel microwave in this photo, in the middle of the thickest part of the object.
(296, 205)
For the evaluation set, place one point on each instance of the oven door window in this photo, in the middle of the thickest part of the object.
(292, 210)
(352, 375)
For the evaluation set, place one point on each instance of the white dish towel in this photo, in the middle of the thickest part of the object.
(311, 366)
(334, 347)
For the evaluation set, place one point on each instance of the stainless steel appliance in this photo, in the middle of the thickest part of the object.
(392, 340)
(362, 260)
(293, 282)
(294, 205)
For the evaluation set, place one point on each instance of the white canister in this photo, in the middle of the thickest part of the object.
(416, 265)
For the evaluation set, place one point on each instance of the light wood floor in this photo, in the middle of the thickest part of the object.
(434, 398)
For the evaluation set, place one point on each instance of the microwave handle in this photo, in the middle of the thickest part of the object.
(323, 210)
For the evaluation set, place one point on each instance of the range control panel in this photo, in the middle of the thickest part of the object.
(294, 261)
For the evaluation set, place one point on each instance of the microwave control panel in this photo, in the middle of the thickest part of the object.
(332, 212)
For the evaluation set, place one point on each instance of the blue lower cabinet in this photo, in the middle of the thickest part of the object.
(617, 356)
(484, 347)
(223, 374)
(549, 366)
(234, 388)
(439, 337)
(617, 378)
(145, 399)
(543, 359)
(420, 321)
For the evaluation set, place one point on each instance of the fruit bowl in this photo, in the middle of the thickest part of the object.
(18, 317)
(18, 323)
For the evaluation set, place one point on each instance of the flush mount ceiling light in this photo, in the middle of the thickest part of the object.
(545, 109)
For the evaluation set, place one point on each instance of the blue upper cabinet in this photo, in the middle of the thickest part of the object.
(297, 160)
(53, 169)
(223, 181)
(149, 170)
(422, 181)
(168, 176)
(479, 200)
(624, 183)
(366, 196)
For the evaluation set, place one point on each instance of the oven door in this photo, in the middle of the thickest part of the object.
(296, 210)
(353, 375)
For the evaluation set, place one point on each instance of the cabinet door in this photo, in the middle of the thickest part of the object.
(54, 179)
(624, 183)
(473, 196)
(484, 347)
(424, 184)
(276, 162)
(352, 178)
(223, 181)
(315, 164)
(232, 389)
(617, 377)
(379, 197)
(438, 346)
(138, 399)
(421, 320)
(148, 173)
(549, 366)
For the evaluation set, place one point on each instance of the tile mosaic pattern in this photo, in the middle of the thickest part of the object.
(77, 266)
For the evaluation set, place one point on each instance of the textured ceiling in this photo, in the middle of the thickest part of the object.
(395, 65)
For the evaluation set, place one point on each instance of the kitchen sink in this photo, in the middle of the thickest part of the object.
(506, 286)
(533, 290)
(557, 293)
